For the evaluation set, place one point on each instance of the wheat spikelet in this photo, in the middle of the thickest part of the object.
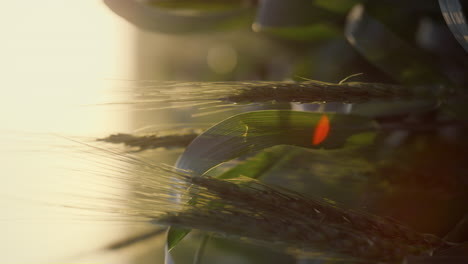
(151, 141)
(265, 213)
(201, 93)
(246, 208)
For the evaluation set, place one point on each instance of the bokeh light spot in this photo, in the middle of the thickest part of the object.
(222, 59)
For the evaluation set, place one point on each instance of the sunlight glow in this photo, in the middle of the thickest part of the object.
(56, 59)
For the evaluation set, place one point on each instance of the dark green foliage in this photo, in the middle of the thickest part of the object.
(174, 236)
(384, 49)
(161, 20)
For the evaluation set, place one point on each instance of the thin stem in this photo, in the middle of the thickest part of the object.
(201, 248)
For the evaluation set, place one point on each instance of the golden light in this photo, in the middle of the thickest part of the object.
(56, 59)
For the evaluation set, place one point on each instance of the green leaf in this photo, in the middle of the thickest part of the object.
(254, 167)
(367, 174)
(389, 52)
(175, 235)
(163, 20)
(340, 174)
(250, 132)
(296, 20)
(280, 13)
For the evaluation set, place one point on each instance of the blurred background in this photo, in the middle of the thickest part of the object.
(58, 59)
(64, 63)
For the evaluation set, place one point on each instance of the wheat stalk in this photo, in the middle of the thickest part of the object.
(149, 94)
(151, 140)
(246, 208)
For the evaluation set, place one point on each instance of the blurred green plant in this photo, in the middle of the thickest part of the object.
(398, 151)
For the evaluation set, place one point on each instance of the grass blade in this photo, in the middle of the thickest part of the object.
(254, 131)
